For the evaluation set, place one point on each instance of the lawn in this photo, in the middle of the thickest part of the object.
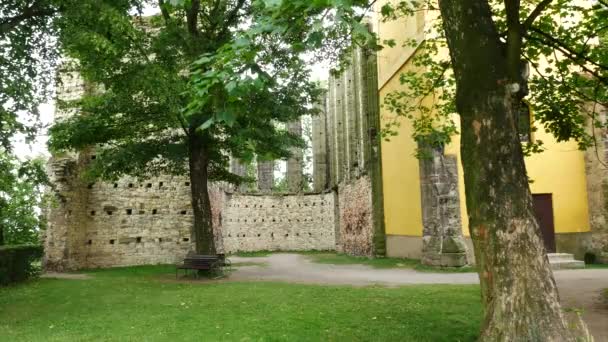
(343, 259)
(146, 303)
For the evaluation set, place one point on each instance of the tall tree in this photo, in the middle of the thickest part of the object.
(180, 92)
(499, 50)
(27, 58)
(21, 195)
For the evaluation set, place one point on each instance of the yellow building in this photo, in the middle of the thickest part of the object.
(559, 174)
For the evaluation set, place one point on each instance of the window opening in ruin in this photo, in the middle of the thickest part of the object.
(93, 157)
(109, 212)
(187, 184)
(154, 211)
(160, 239)
(149, 185)
(90, 242)
(129, 211)
(90, 186)
(286, 235)
(92, 212)
(271, 235)
(141, 212)
(130, 185)
(112, 242)
(259, 235)
(138, 239)
(183, 212)
(160, 185)
(115, 185)
(185, 239)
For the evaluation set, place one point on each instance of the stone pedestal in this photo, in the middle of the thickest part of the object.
(442, 243)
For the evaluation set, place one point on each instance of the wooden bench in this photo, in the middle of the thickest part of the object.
(198, 262)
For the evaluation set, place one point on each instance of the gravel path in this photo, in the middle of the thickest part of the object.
(579, 289)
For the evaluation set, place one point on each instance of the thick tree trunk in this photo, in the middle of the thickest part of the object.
(518, 289)
(201, 206)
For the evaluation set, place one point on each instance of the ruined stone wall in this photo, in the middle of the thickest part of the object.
(596, 160)
(442, 241)
(134, 223)
(356, 217)
(352, 155)
(289, 223)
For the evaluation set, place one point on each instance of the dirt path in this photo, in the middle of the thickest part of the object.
(579, 289)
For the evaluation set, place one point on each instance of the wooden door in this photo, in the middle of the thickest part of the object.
(543, 207)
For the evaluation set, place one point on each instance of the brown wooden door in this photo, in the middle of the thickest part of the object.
(543, 207)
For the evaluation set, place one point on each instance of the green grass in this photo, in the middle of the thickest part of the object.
(146, 303)
(343, 259)
(258, 254)
(596, 266)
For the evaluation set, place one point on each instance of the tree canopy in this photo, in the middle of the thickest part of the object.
(21, 198)
(180, 92)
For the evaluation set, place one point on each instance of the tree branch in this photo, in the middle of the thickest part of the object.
(556, 43)
(192, 17)
(535, 14)
(30, 12)
(514, 38)
(163, 10)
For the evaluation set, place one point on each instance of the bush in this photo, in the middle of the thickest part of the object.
(16, 262)
(590, 258)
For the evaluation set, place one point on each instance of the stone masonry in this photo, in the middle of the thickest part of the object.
(351, 155)
(596, 160)
(442, 241)
(133, 222)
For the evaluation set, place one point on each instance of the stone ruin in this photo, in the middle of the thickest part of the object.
(130, 222)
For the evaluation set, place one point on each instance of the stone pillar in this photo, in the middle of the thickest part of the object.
(65, 247)
(372, 147)
(294, 164)
(330, 126)
(265, 175)
(351, 119)
(363, 84)
(239, 169)
(596, 158)
(319, 148)
(339, 117)
(442, 240)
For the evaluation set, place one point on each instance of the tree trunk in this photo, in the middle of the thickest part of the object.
(201, 206)
(518, 289)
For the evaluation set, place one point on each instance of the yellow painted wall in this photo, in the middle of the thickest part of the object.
(559, 170)
(400, 175)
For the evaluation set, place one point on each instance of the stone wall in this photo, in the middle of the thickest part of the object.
(596, 160)
(274, 222)
(350, 155)
(356, 217)
(134, 223)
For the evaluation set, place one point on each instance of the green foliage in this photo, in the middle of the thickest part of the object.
(28, 55)
(162, 82)
(21, 197)
(16, 262)
(568, 69)
(128, 303)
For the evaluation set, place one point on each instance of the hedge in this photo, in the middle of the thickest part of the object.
(16, 262)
